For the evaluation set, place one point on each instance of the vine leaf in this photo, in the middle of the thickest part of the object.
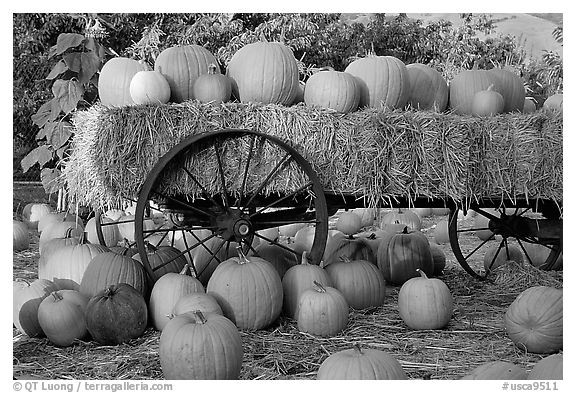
(50, 178)
(67, 93)
(60, 135)
(49, 111)
(66, 41)
(58, 69)
(90, 65)
(40, 155)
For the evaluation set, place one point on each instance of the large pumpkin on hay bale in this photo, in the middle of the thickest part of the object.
(212, 87)
(265, 72)
(548, 368)
(149, 87)
(114, 81)
(167, 290)
(249, 291)
(25, 302)
(322, 311)
(511, 88)
(400, 255)
(330, 89)
(465, 85)
(487, 102)
(497, 370)
(534, 320)
(383, 81)
(202, 346)
(428, 88)
(116, 314)
(361, 364)
(62, 316)
(299, 278)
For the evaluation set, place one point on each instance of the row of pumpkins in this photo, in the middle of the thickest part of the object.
(267, 72)
(88, 290)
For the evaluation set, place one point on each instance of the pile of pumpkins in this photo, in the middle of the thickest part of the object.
(87, 290)
(267, 72)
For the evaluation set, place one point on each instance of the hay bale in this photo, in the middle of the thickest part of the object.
(375, 154)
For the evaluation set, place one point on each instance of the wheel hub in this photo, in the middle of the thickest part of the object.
(234, 226)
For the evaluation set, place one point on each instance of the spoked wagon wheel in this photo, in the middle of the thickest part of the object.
(217, 190)
(485, 237)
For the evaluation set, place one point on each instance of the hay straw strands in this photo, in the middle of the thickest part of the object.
(372, 154)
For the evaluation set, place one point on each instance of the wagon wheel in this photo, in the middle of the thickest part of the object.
(502, 228)
(216, 190)
(103, 225)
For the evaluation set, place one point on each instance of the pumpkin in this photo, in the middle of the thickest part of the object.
(439, 258)
(441, 235)
(425, 303)
(534, 320)
(21, 236)
(330, 89)
(59, 230)
(163, 260)
(496, 370)
(406, 217)
(350, 247)
(281, 258)
(114, 81)
(349, 223)
(25, 302)
(124, 248)
(110, 231)
(440, 211)
(289, 230)
(265, 72)
(361, 364)
(55, 244)
(374, 238)
(554, 102)
(304, 239)
(465, 85)
(200, 346)
(322, 311)
(149, 87)
(109, 268)
(299, 278)
(487, 103)
(499, 254)
(299, 93)
(481, 225)
(116, 314)
(114, 214)
(428, 88)
(529, 106)
(401, 254)
(212, 87)
(383, 81)
(66, 266)
(196, 301)
(548, 368)
(537, 254)
(51, 217)
(32, 212)
(207, 257)
(422, 211)
(61, 316)
(511, 88)
(125, 225)
(360, 282)
(181, 66)
(166, 292)
(367, 216)
(249, 291)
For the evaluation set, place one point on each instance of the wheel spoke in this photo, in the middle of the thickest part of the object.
(245, 176)
(287, 222)
(178, 201)
(309, 184)
(222, 179)
(274, 242)
(195, 180)
(476, 249)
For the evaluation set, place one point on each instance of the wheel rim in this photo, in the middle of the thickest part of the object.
(228, 211)
(471, 239)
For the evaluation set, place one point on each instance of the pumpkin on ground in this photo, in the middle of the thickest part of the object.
(212, 87)
(110, 231)
(197, 301)
(149, 87)
(534, 320)
(383, 81)
(500, 254)
(487, 103)
(114, 81)
(351, 247)
(289, 230)
(51, 217)
(496, 370)
(109, 268)
(349, 223)
(25, 302)
(281, 258)
(548, 368)
(208, 257)
(116, 314)
(181, 66)
(265, 72)
(21, 236)
(422, 211)
(361, 364)
(332, 89)
(367, 216)
(400, 255)
(167, 290)
(465, 85)
(439, 258)
(537, 254)
(59, 230)
(32, 212)
(163, 260)
(202, 346)
(428, 88)
(304, 239)
(425, 303)
(62, 317)
(441, 235)
(322, 311)
(360, 282)
(299, 278)
(402, 217)
(249, 291)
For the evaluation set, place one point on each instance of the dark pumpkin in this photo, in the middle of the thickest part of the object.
(351, 247)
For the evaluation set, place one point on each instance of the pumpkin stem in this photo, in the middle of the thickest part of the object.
(185, 270)
(358, 348)
(491, 87)
(83, 236)
(150, 248)
(200, 318)
(319, 287)
(242, 257)
(345, 258)
(305, 258)
(405, 230)
(212, 69)
(422, 274)
(57, 296)
(326, 68)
